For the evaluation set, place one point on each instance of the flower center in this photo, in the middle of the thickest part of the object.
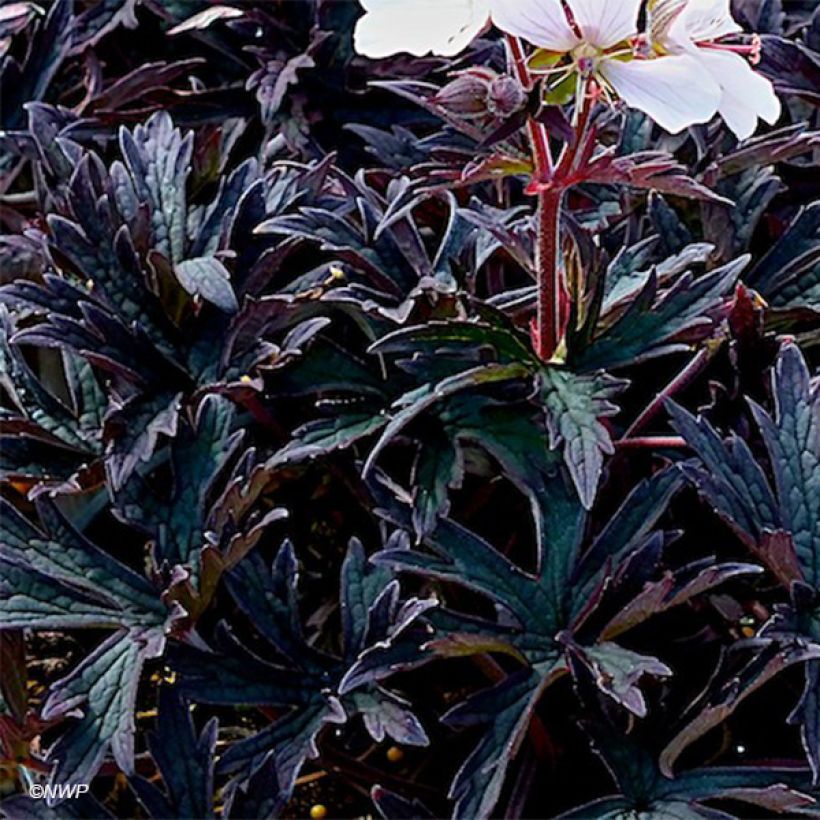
(585, 57)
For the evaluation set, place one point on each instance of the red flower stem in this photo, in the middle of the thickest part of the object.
(571, 154)
(547, 262)
(548, 226)
(682, 380)
(539, 138)
(651, 442)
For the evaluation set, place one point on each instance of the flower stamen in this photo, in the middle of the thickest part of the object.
(750, 50)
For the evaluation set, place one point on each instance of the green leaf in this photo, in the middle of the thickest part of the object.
(438, 469)
(105, 686)
(158, 159)
(736, 485)
(409, 406)
(507, 710)
(324, 436)
(76, 566)
(178, 520)
(511, 434)
(209, 279)
(617, 672)
(60, 580)
(788, 276)
(436, 338)
(655, 326)
(793, 441)
(31, 599)
(573, 406)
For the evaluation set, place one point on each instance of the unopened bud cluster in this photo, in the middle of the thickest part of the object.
(481, 92)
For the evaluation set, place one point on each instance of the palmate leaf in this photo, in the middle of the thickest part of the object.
(642, 789)
(56, 579)
(178, 520)
(736, 486)
(305, 681)
(21, 84)
(380, 239)
(781, 524)
(573, 408)
(103, 252)
(653, 325)
(44, 441)
(121, 326)
(122, 230)
(653, 170)
(105, 686)
(185, 761)
(541, 618)
(788, 276)
(572, 405)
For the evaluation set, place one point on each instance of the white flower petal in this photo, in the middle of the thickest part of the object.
(540, 22)
(419, 27)
(703, 20)
(746, 95)
(674, 91)
(606, 22)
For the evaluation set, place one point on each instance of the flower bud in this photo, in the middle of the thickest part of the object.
(505, 97)
(468, 94)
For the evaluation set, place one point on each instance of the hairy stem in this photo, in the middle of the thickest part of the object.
(548, 234)
(651, 442)
(682, 380)
(549, 268)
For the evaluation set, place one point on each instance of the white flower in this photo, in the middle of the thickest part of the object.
(419, 27)
(693, 27)
(675, 90)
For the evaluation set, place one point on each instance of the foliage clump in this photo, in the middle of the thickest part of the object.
(409, 419)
